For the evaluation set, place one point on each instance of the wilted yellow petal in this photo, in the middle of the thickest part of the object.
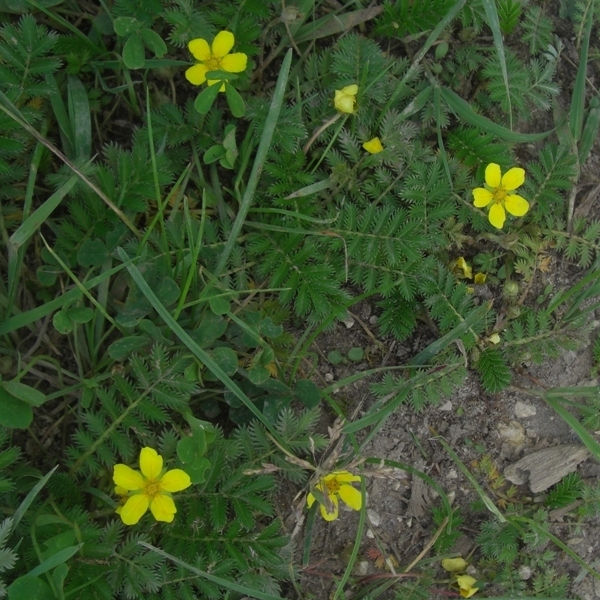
(330, 516)
(175, 480)
(163, 508)
(465, 584)
(133, 510)
(344, 102)
(151, 463)
(481, 197)
(200, 49)
(513, 178)
(516, 205)
(493, 175)
(497, 215)
(350, 90)
(350, 496)
(234, 63)
(494, 338)
(479, 278)
(222, 43)
(462, 265)
(196, 74)
(127, 478)
(373, 146)
(454, 565)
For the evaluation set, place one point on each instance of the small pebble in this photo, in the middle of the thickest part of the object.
(513, 432)
(524, 410)
(370, 534)
(374, 517)
(363, 567)
(524, 572)
(328, 377)
(451, 474)
(348, 322)
(373, 319)
(446, 407)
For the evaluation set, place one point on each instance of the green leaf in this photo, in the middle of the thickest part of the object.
(226, 358)
(62, 322)
(126, 25)
(28, 587)
(219, 304)
(24, 392)
(80, 119)
(154, 42)
(14, 414)
(235, 101)
(308, 393)
(335, 357)
(356, 354)
(204, 100)
(168, 291)
(92, 253)
(495, 374)
(133, 52)
(121, 349)
(213, 154)
(81, 314)
(258, 375)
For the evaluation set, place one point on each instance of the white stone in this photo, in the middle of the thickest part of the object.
(374, 517)
(446, 407)
(524, 410)
(513, 432)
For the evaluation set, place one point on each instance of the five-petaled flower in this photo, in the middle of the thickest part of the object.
(333, 485)
(499, 193)
(345, 99)
(466, 585)
(214, 57)
(373, 146)
(151, 488)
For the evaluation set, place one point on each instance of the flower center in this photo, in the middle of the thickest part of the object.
(213, 63)
(332, 486)
(499, 195)
(152, 488)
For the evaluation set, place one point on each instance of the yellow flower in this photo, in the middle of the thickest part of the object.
(460, 264)
(373, 146)
(453, 565)
(479, 278)
(215, 57)
(333, 485)
(465, 585)
(498, 193)
(149, 489)
(345, 99)
(494, 338)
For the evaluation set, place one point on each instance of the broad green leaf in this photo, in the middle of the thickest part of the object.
(154, 42)
(62, 322)
(204, 100)
(133, 52)
(126, 25)
(24, 392)
(235, 101)
(14, 413)
(28, 588)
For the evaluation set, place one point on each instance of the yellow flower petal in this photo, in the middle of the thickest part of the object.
(222, 43)
(163, 508)
(350, 496)
(310, 499)
(461, 264)
(127, 478)
(497, 216)
(121, 491)
(234, 63)
(373, 146)
(151, 463)
(342, 476)
(516, 205)
(452, 565)
(343, 102)
(479, 278)
(513, 178)
(196, 74)
(200, 49)
(333, 515)
(133, 510)
(175, 480)
(493, 175)
(465, 584)
(481, 197)
(350, 90)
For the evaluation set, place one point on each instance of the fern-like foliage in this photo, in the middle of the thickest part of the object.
(566, 491)
(8, 556)
(449, 303)
(398, 316)
(583, 244)
(499, 541)
(402, 17)
(495, 373)
(538, 28)
(548, 180)
(509, 13)
(476, 149)
(125, 411)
